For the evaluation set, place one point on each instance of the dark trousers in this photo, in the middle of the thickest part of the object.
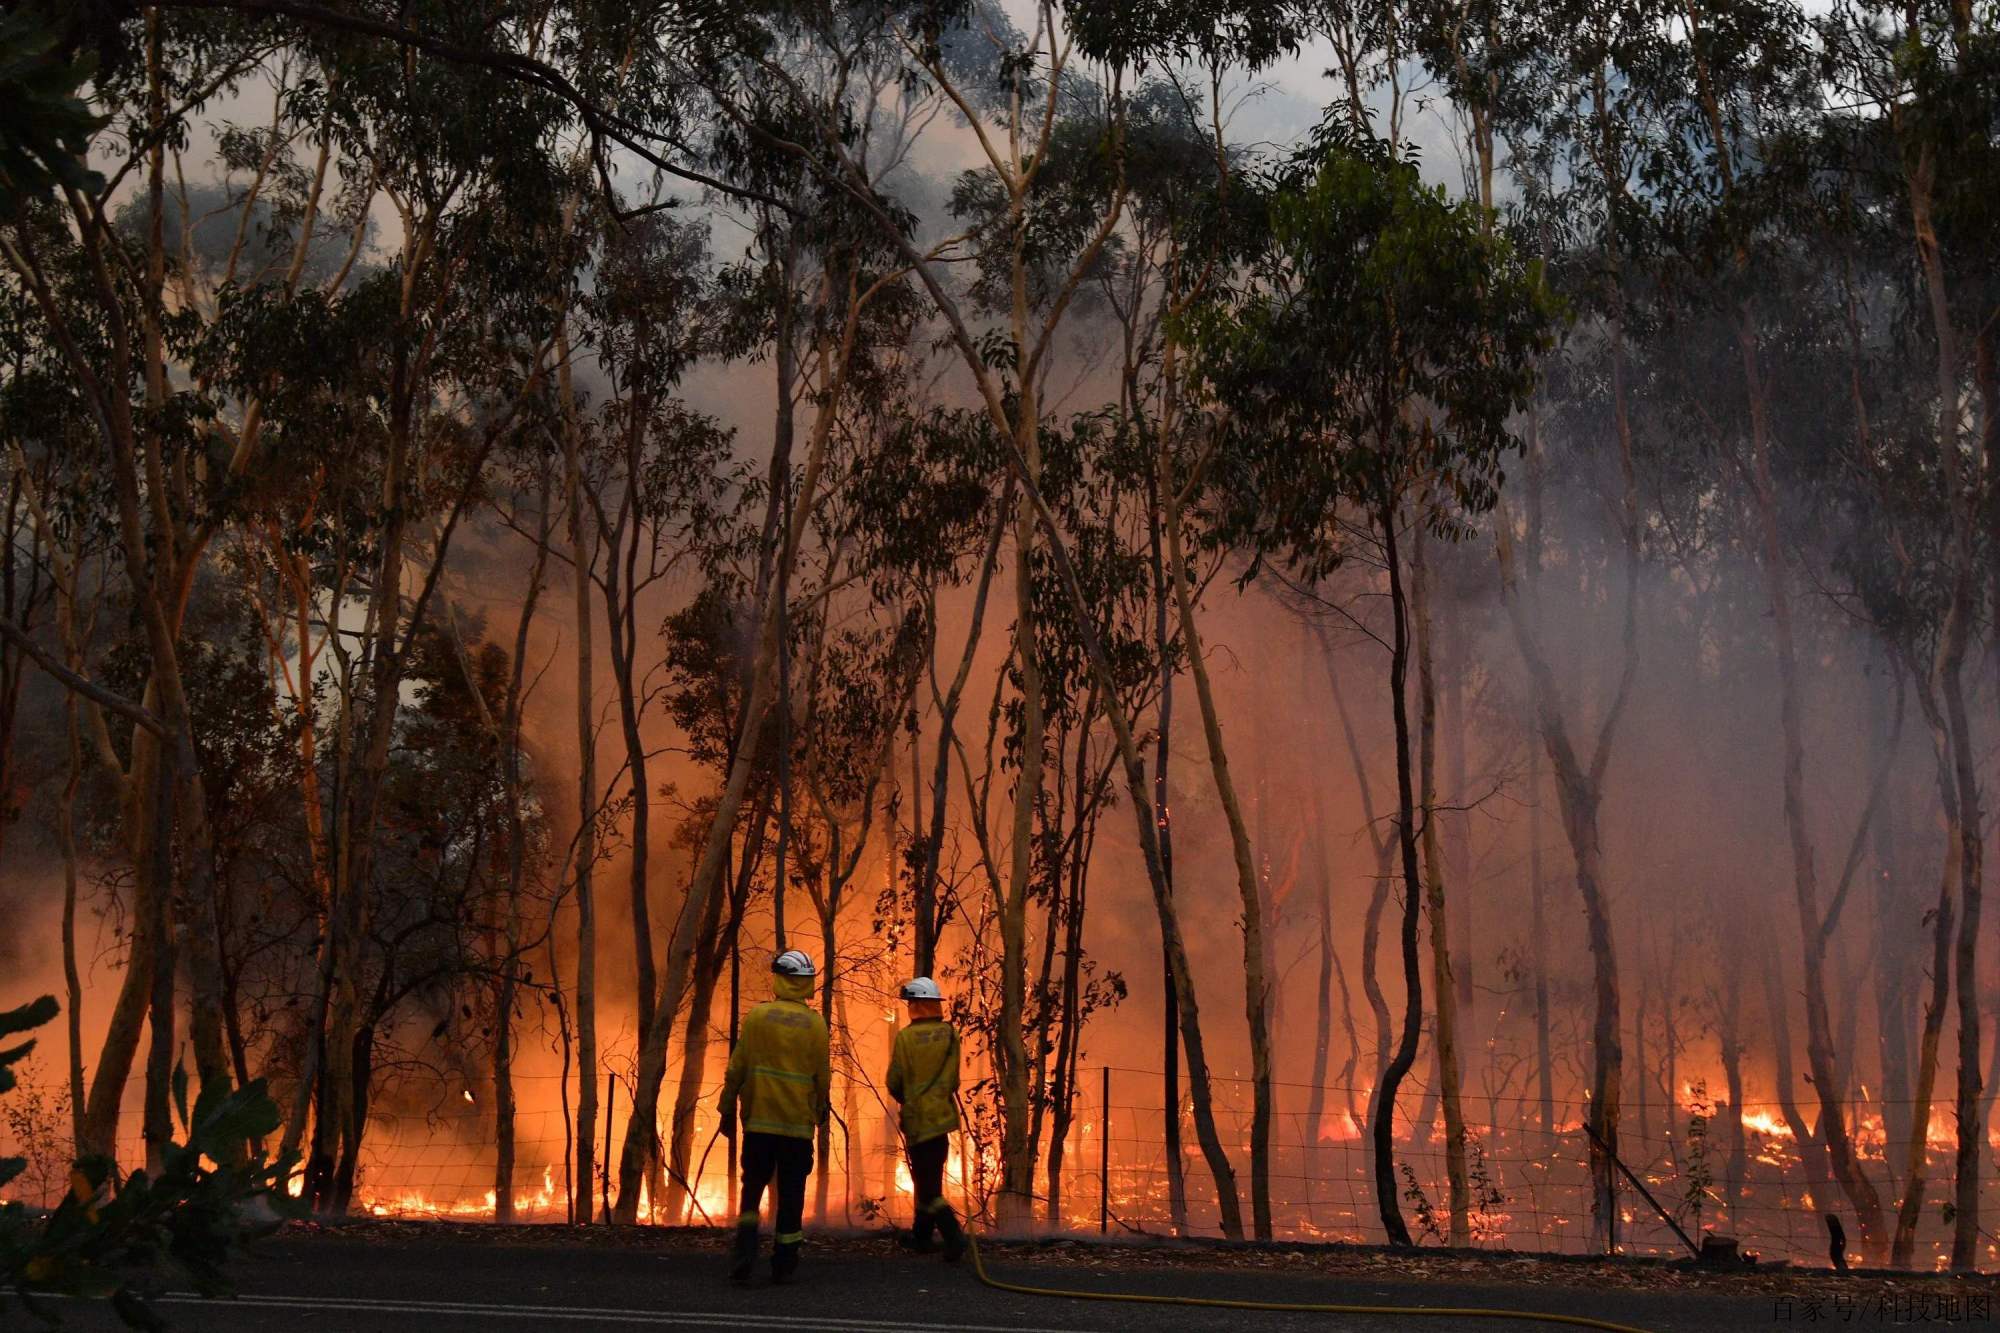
(790, 1160)
(927, 1183)
(927, 1176)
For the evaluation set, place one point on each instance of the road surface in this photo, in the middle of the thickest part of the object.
(305, 1284)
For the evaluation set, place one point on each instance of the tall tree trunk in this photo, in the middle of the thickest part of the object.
(388, 635)
(1062, 1096)
(165, 774)
(718, 946)
(361, 1070)
(781, 881)
(155, 563)
(582, 550)
(1538, 935)
(158, 1116)
(1895, 1008)
(1645, 1100)
(1382, 1114)
(651, 1068)
(623, 641)
(1016, 1151)
(1820, 1052)
(1163, 826)
(72, 980)
(1145, 815)
(680, 1188)
(1256, 986)
(503, 1094)
(1577, 795)
(1579, 790)
(1378, 887)
(1964, 498)
(1537, 883)
(1443, 986)
(829, 976)
(1315, 1155)
(1917, 1148)
(1916, 1144)
(1972, 1150)
(507, 988)
(120, 1046)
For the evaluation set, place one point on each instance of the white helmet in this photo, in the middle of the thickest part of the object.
(921, 988)
(792, 963)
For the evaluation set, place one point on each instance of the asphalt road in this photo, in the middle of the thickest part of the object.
(447, 1286)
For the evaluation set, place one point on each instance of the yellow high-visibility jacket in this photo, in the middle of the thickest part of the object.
(923, 1076)
(779, 1068)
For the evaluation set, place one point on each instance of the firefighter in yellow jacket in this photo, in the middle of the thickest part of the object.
(923, 1077)
(779, 1077)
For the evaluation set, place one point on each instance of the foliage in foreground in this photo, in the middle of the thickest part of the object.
(48, 124)
(120, 1238)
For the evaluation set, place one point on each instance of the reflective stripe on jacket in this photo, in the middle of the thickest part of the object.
(923, 1076)
(779, 1069)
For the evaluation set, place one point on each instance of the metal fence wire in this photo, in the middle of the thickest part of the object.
(1529, 1182)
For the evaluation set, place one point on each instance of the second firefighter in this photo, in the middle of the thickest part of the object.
(923, 1077)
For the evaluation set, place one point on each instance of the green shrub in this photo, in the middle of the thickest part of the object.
(119, 1238)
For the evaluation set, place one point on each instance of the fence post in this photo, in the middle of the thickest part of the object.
(1104, 1156)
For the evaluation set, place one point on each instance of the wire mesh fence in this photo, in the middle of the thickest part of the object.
(432, 1152)
(1529, 1180)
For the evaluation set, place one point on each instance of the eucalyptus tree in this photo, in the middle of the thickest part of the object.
(1179, 168)
(513, 83)
(1894, 504)
(208, 432)
(470, 311)
(1731, 99)
(655, 485)
(1578, 129)
(649, 479)
(834, 298)
(271, 269)
(442, 953)
(526, 856)
(706, 678)
(1166, 163)
(99, 298)
(1095, 466)
(57, 540)
(1364, 375)
(1035, 230)
(1925, 80)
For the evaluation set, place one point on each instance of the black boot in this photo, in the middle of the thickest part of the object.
(954, 1235)
(917, 1239)
(743, 1259)
(784, 1261)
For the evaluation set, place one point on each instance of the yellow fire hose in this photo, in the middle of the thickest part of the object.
(1287, 1307)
